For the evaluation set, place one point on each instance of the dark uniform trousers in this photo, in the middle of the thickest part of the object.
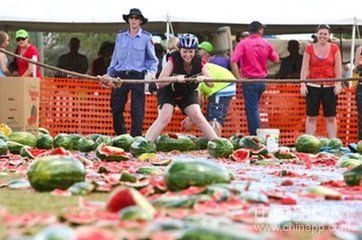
(119, 99)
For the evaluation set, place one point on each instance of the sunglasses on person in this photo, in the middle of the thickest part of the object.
(135, 17)
(20, 39)
(324, 26)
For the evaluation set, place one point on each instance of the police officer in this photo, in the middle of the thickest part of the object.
(133, 57)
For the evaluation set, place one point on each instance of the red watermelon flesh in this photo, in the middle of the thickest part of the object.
(120, 198)
(240, 155)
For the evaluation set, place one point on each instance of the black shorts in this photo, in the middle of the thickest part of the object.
(166, 95)
(217, 108)
(315, 96)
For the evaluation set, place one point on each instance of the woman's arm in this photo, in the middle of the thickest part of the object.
(3, 66)
(338, 71)
(166, 73)
(304, 73)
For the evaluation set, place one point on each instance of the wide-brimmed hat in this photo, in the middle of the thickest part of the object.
(135, 12)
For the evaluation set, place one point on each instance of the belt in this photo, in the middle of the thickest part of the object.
(130, 72)
(319, 85)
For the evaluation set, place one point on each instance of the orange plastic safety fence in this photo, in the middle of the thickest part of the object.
(78, 106)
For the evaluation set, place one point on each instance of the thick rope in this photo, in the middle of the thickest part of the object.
(117, 82)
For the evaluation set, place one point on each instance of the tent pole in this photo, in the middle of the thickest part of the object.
(168, 27)
(353, 44)
(341, 45)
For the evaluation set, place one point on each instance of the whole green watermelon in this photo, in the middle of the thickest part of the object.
(14, 147)
(3, 148)
(142, 145)
(359, 147)
(3, 137)
(74, 138)
(86, 144)
(308, 144)
(353, 177)
(349, 160)
(186, 173)
(94, 136)
(123, 141)
(220, 147)
(166, 143)
(104, 139)
(55, 172)
(324, 141)
(202, 143)
(24, 138)
(44, 141)
(335, 143)
(62, 140)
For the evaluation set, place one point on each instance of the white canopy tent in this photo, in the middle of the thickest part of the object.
(280, 16)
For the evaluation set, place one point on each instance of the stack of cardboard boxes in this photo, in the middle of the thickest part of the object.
(19, 103)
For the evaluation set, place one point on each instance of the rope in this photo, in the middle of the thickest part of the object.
(117, 82)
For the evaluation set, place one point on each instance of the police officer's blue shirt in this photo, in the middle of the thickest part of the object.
(133, 53)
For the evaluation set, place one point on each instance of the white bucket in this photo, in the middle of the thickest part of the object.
(271, 138)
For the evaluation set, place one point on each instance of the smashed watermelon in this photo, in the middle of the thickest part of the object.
(240, 155)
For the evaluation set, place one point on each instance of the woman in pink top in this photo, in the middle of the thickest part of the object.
(321, 60)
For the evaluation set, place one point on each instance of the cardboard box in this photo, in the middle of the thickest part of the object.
(19, 103)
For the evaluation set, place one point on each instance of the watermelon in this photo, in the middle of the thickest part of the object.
(43, 131)
(81, 188)
(186, 173)
(56, 232)
(24, 138)
(123, 197)
(284, 153)
(235, 140)
(335, 143)
(94, 136)
(307, 144)
(55, 172)
(349, 160)
(202, 143)
(359, 147)
(220, 147)
(169, 142)
(240, 155)
(195, 232)
(44, 141)
(74, 138)
(353, 177)
(3, 148)
(135, 213)
(324, 142)
(14, 147)
(253, 144)
(142, 145)
(104, 139)
(86, 144)
(3, 137)
(31, 153)
(123, 141)
(109, 153)
(62, 140)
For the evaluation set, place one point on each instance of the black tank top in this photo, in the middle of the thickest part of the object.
(180, 89)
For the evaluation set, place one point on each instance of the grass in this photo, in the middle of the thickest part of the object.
(24, 201)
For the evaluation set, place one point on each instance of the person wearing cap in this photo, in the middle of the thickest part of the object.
(73, 60)
(182, 64)
(4, 43)
(321, 60)
(252, 55)
(358, 69)
(205, 50)
(27, 50)
(133, 57)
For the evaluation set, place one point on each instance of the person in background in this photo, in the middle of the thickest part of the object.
(321, 60)
(160, 52)
(133, 57)
(205, 50)
(252, 55)
(27, 50)
(291, 65)
(358, 69)
(182, 64)
(171, 47)
(241, 35)
(73, 60)
(4, 43)
(100, 65)
(218, 98)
